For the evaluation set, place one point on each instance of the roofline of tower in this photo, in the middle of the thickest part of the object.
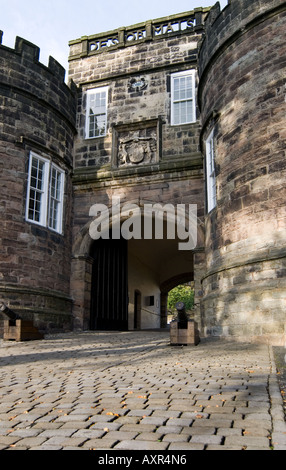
(173, 25)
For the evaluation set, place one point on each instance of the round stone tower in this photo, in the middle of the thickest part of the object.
(36, 136)
(242, 96)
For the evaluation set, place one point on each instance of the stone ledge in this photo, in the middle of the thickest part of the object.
(161, 28)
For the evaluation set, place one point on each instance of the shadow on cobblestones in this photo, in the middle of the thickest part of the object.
(100, 347)
(93, 346)
(280, 361)
(133, 391)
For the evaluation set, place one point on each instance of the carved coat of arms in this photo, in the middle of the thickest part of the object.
(136, 144)
(132, 151)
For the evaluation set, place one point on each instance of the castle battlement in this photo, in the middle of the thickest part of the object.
(223, 27)
(28, 49)
(22, 70)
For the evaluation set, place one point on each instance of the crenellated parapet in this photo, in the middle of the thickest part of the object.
(21, 70)
(222, 28)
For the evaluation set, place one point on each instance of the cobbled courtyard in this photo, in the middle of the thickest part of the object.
(133, 391)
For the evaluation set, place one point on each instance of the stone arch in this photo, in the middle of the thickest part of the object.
(168, 285)
(82, 262)
(83, 240)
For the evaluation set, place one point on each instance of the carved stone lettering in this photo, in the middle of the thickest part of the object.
(127, 36)
(135, 35)
(174, 26)
(99, 45)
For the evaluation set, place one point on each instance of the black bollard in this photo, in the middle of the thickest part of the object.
(182, 316)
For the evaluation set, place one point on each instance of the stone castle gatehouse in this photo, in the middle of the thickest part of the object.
(183, 110)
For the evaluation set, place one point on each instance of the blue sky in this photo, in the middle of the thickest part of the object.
(52, 24)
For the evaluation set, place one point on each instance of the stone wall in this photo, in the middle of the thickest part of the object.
(151, 60)
(37, 114)
(238, 266)
(172, 173)
(242, 97)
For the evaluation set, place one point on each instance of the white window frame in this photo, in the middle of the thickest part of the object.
(56, 200)
(175, 101)
(210, 172)
(46, 200)
(90, 95)
(43, 192)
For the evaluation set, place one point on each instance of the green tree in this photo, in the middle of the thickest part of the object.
(182, 293)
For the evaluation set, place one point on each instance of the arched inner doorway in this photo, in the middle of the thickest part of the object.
(169, 284)
(151, 266)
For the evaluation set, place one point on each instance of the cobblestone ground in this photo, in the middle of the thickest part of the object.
(133, 391)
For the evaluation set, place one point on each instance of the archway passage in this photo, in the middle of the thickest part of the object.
(155, 267)
(166, 287)
(121, 277)
(109, 291)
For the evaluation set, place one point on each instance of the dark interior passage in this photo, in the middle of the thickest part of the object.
(109, 298)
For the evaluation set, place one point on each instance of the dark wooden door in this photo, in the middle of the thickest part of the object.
(109, 296)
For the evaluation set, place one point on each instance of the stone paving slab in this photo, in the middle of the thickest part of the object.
(133, 391)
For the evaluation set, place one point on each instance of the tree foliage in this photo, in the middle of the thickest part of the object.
(182, 293)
